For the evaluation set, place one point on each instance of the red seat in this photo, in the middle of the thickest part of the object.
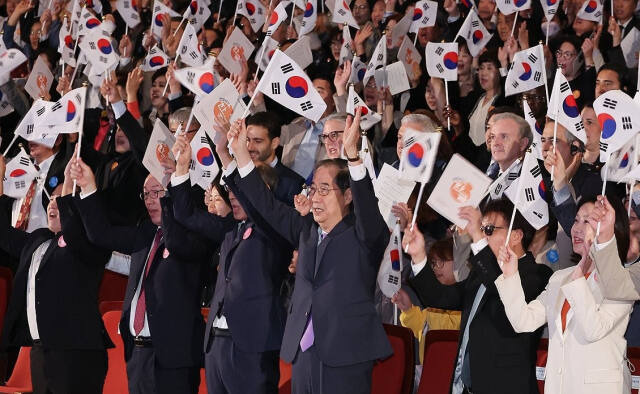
(112, 287)
(394, 375)
(541, 363)
(440, 347)
(6, 281)
(633, 354)
(20, 380)
(116, 380)
(106, 306)
(284, 385)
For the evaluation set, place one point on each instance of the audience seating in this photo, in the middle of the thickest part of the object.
(112, 287)
(20, 380)
(440, 348)
(116, 380)
(395, 374)
(107, 306)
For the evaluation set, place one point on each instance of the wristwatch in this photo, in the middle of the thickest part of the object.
(354, 158)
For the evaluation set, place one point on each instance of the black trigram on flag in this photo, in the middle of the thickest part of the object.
(425, 20)
(393, 280)
(380, 57)
(532, 58)
(579, 126)
(92, 44)
(356, 101)
(78, 98)
(194, 55)
(604, 146)
(190, 76)
(535, 171)
(515, 84)
(409, 141)
(275, 87)
(192, 165)
(203, 140)
(626, 123)
(531, 115)
(475, 23)
(40, 111)
(498, 188)
(609, 103)
(19, 184)
(342, 12)
(29, 129)
(439, 67)
(286, 68)
(56, 107)
(536, 76)
(439, 50)
(206, 174)
(24, 161)
(564, 86)
(538, 214)
(512, 176)
(528, 194)
(306, 105)
(126, 4)
(103, 59)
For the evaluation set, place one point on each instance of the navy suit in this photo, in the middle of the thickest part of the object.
(289, 183)
(173, 287)
(335, 281)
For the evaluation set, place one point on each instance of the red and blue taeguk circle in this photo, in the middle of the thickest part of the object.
(156, 61)
(206, 82)
(308, 9)
(527, 72)
(250, 8)
(450, 60)
(104, 46)
(205, 157)
(415, 155)
(71, 111)
(417, 14)
(570, 107)
(296, 87)
(591, 6)
(607, 124)
(477, 36)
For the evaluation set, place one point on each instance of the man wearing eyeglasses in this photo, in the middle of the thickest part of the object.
(161, 325)
(492, 357)
(333, 334)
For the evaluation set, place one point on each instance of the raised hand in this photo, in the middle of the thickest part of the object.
(302, 204)
(507, 261)
(134, 79)
(615, 31)
(413, 243)
(237, 136)
(403, 212)
(83, 175)
(352, 135)
(604, 213)
(473, 216)
(125, 47)
(402, 299)
(109, 89)
(341, 78)
(183, 147)
(559, 172)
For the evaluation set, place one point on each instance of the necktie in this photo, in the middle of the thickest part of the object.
(25, 209)
(307, 337)
(141, 305)
(565, 309)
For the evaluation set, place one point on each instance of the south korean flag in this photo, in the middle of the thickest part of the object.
(97, 47)
(424, 15)
(88, 22)
(278, 15)
(442, 60)
(67, 112)
(619, 118)
(368, 118)
(527, 71)
(287, 84)
(9, 60)
(31, 128)
(19, 175)
(160, 9)
(203, 168)
(591, 10)
(529, 193)
(342, 14)
(504, 180)
(378, 59)
(508, 7)
(254, 11)
(475, 33)
(155, 60)
(346, 50)
(550, 8)
(197, 13)
(200, 80)
(536, 130)
(309, 17)
(5, 106)
(190, 49)
(66, 45)
(128, 10)
(564, 109)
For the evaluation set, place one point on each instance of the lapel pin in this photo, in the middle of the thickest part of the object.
(165, 254)
(247, 233)
(61, 242)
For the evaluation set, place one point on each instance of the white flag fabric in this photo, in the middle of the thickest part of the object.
(200, 80)
(346, 50)
(287, 84)
(66, 44)
(254, 11)
(424, 15)
(95, 5)
(278, 15)
(203, 168)
(563, 102)
(591, 10)
(128, 10)
(19, 174)
(378, 59)
(526, 72)
(475, 33)
(88, 22)
(309, 17)
(368, 118)
(630, 46)
(619, 118)
(537, 215)
(390, 272)
(536, 130)
(267, 50)
(399, 31)
(66, 113)
(5, 106)
(508, 7)
(160, 9)
(197, 12)
(620, 162)
(155, 60)
(531, 202)
(342, 14)
(410, 58)
(98, 49)
(550, 7)
(442, 60)
(9, 60)
(189, 48)
(358, 70)
(503, 182)
(30, 128)
(418, 155)
(224, 101)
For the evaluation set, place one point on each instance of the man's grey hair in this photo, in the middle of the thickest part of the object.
(182, 115)
(567, 134)
(524, 130)
(425, 122)
(339, 117)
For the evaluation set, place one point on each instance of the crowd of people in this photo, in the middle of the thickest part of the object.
(273, 218)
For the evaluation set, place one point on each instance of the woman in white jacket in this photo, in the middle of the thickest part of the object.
(587, 349)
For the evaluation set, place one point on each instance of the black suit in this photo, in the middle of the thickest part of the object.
(335, 282)
(71, 331)
(173, 286)
(501, 361)
(289, 183)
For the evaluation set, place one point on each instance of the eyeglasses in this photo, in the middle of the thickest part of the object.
(360, 7)
(488, 229)
(332, 136)
(153, 194)
(437, 264)
(566, 54)
(322, 190)
(185, 132)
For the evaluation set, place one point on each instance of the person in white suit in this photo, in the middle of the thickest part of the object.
(587, 349)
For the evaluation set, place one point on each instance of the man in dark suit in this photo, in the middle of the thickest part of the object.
(492, 357)
(333, 334)
(263, 138)
(54, 302)
(161, 326)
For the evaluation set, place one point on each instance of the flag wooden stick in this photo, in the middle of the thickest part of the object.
(633, 180)
(322, 5)
(604, 188)
(80, 133)
(186, 129)
(632, 185)
(547, 35)
(293, 10)
(220, 11)
(395, 314)
(42, 27)
(244, 115)
(415, 213)
(555, 126)
(235, 14)
(415, 39)
(126, 33)
(446, 95)
(166, 86)
(544, 72)
(15, 137)
(515, 20)
(255, 76)
(178, 28)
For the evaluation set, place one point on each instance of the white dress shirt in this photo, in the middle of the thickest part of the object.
(36, 259)
(37, 215)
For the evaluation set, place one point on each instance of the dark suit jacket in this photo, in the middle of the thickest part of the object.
(335, 280)
(67, 284)
(289, 183)
(172, 286)
(502, 361)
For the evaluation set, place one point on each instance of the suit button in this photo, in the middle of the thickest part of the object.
(227, 280)
(306, 313)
